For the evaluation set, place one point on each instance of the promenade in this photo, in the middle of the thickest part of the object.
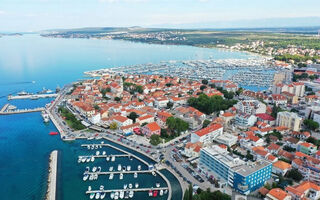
(52, 178)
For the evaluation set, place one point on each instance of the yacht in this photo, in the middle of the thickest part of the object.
(85, 177)
(98, 195)
(116, 195)
(128, 168)
(101, 187)
(94, 169)
(157, 185)
(88, 159)
(154, 173)
(135, 175)
(103, 194)
(79, 159)
(130, 186)
(139, 167)
(110, 169)
(124, 168)
(126, 195)
(104, 153)
(88, 147)
(107, 158)
(95, 176)
(92, 159)
(87, 170)
(161, 192)
(99, 169)
(89, 188)
(83, 159)
(112, 195)
(113, 158)
(165, 191)
(125, 186)
(92, 195)
(121, 176)
(136, 185)
(150, 193)
(121, 195)
(91, 177)
(111, 177)
(97, 153)
(131, 194)
(119, 167)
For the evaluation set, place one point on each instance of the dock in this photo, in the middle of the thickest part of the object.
(132, 189)
(32, 96)
(52, 178)
(121, 172)
(20, 111)
(4, 108)
(105, 156)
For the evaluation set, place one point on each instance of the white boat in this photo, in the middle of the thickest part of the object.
(165, 191)
(90, 138)
(85, 177)
(121, 195)
(128, 168)
(101, 187)
(89, 188)
(92, 195)
(103, 194)
(119, 167)
(95, 146)
(154, 173)
(94, 169)
(99, 169)
(111, 177)
(116, 195)
(92, 146)
(91, 177)
(103, 153)
(83, 159)
(131, 194)
(95, 176)
(88, 159)
(150, 193)
(97, 153)
(121, 176)
(130, 186)
(139, 167)
(136, 185)
(161, 192)
(113, 158)
(110, 169)
(88, 146)
(112, 195)
(125, 186)
(79, 160)
(135, 175)
(98, 195)
(107, 158)
(92, 159)
(157, 185)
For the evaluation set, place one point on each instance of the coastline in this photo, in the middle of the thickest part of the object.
(52, 177)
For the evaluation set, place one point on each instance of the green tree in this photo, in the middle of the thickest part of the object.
(275, 110)
(117, 99)
(113, 126)
(204, 82)
(133, 116)
(155, 139)
(205, 123)
(310, 124)
(169, 105)
(96, 107)
(176, 125)
(202, 87)
(295, 175)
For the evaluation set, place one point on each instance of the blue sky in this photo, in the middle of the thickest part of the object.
(33, 15)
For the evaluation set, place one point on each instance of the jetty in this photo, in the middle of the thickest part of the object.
(133, 189)
(52, 178)
(4, 110)
(32, 96)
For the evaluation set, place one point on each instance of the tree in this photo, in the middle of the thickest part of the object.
(96, 107)
(310, 124)
(169, 105)
(249, 156)
(275, 110)
(176, 125)
(313, 141)
(239, 91)
(155, 139)
(133, 116)
(113, 126)
(169, 84)
(294, 174)
(205, 123)
(204, 82)
(202, 87)
(117, 99)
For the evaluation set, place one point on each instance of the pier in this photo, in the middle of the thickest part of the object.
(20, 111)
(32, 96)
(133, 189)
(105, 156)
(122, 172)
(4, 108)
(52, 178)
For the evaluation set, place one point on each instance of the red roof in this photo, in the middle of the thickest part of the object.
(208, 129)
(265, 116)
(153, 126)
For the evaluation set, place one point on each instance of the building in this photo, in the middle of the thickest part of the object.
(251, 107)
(278, 194)
(243, 177)
(145, 119)
(307, 148)
(122, 121)
(226, 139)
(290, 120)
(151, 129)
(244, 120)
(208, 134)
(305, 190)
(192, 149)
(280, 167)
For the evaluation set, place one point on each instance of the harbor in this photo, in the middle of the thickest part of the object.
(52, 177)
(31, 96)
(8, 109)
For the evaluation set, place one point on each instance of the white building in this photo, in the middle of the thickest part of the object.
(227, 139)
(251, 107)
(290, 120)
(208, 134)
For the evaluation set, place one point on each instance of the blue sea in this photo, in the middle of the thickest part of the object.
(50, 62)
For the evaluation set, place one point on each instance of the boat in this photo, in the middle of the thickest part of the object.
(155, 193)
(98, 195)
(97, 153)
(161, 192)
(131, 194)
(128, 168)
(22, 93)
(136, 185)
(103, 194)
(125, 186)
(92, 159)
(85, 177)
(89, 188)
(88, 147)
(126, 195)
(107, 158)
(79, 159)
(92, 195)
(45, 116)
(87, 169)
(110, 169)
(139, 167)
(165, 191)
(130, 186)
(99, 169)
(91, 177)
(53, 133)
(154, 173)
(157, 185)
(83, 159)
(150, 193)
(121, 195)
(88, 159)
(119, 167)
(111, 177)
(90, 138)
(121, 176)
(94, 169)
(112, 195)
(113, 158)
(101, 187)
(116, 195)
(135, 175)
(104, 153)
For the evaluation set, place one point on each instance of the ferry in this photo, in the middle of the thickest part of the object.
(111, 177)
(92, 195)
(135, 175)
(136, 185)
(119, 167)
(121, 176)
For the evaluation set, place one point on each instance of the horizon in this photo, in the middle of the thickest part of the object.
(39, 15)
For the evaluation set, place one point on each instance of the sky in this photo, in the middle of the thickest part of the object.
(36, 15)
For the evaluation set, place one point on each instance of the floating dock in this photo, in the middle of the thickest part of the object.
(32, 96)
(52, 178)
(133, 189)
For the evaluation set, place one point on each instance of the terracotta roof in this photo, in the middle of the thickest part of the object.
(208, 129)
(265, 116)
(300, 189)
(278, 193)
(153, 126)
(281, 165)
(263, 191)
(120, 118)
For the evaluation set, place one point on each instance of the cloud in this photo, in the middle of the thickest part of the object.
(2, 12)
